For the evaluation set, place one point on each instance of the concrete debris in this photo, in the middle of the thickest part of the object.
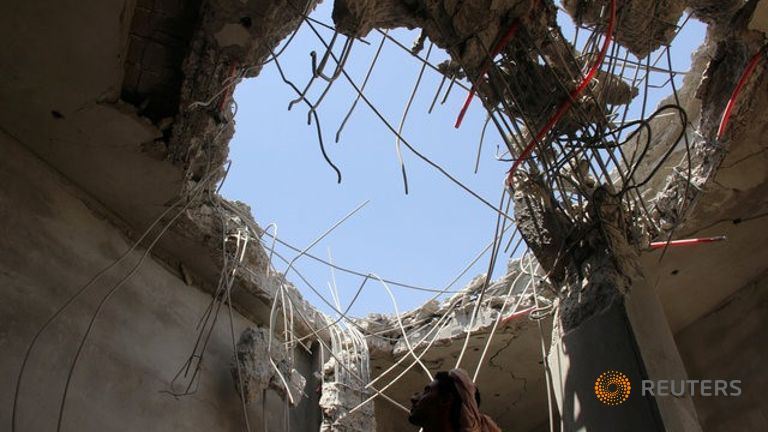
(554, 68)
(590, 260)
(344, 377)
(257, 372)
(336, 401)
(759, 21)
(464, 29)
(714, 11)
(420, 323)
(603, 265)
(468, 30)
(545, 228)
(721, 61)
(642, 27)
(232, 41)
(244, 30)
(205, 223)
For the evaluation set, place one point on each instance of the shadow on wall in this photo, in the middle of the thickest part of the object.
(602, 343)
(726, 345)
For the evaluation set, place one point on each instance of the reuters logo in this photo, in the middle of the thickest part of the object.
(612, 387)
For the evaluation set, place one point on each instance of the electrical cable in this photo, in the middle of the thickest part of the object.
(405, 115)
(100, 307)
(566, 104)
(737, 90)
(510, 33)
(407, 144)
(315, 116)
(498, 236)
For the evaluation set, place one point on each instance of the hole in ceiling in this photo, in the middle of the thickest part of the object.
(423, 239)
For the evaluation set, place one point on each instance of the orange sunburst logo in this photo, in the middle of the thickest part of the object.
(612, 387)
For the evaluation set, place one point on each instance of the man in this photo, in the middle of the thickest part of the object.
(450, 403)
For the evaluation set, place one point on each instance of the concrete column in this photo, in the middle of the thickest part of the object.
(609, 322)
(629, 335)
(603, 343)
(660, 354)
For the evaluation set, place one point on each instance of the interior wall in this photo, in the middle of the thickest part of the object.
(729, 343)
(51, 244)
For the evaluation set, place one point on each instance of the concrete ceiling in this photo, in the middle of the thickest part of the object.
(62, 69)
(60, 97)
(693, 281)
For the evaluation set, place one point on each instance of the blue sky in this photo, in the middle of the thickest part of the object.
(424, 238)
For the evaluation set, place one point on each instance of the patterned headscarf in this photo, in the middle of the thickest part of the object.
(471, 419)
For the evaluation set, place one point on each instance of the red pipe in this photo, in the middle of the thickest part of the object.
(563, 108)
(513, 316)
(496, 50)
(229, 90)
(687, 242)
(732, 101)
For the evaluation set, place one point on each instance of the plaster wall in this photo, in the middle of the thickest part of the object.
(729, 343)
(52, 242)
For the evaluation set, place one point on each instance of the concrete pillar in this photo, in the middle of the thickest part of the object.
(609, 332)
(660, 354)
(604, 343)
(630, 336)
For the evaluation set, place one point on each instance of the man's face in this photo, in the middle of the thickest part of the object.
(428, 405)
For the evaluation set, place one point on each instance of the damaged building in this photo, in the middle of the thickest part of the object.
(135, 297)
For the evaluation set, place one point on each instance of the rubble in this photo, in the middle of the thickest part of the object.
(714, 11)
(254, 364)
(469, 30)
(643, 26)
(232, 41)
(453, 315)
(465, 29)
(344, 379)
(336, 401)
(176, 105)
(721, 62)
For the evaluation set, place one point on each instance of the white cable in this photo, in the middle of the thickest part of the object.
(501, 314)
(273, 225)
(322, 342)
(498, 236)
(399, 376)
(230, 282)
(544, 360)
(402, 329)
(426, 335)
(281, 288)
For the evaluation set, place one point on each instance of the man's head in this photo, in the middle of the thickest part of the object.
(439, 404)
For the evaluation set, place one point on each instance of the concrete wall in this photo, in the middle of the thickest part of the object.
(51, 243)
(658, 350)
(729, 343)
(603, 342)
